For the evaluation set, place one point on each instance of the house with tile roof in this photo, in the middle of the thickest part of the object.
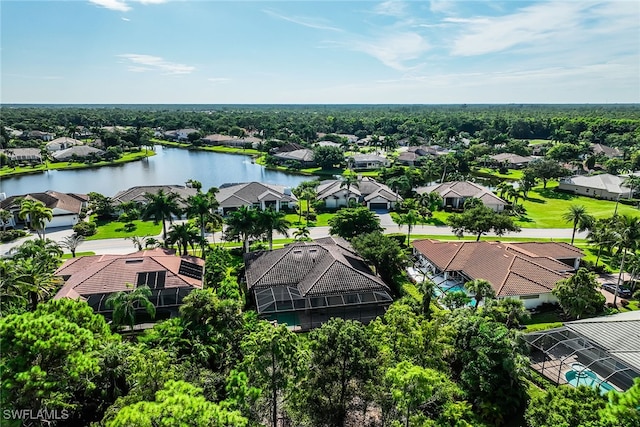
(94, 278)
(603, 186)
(65, 207)
(368, 192)
(254, 195)
(526, 271)
(512, 161)
(303, 156)
(368, 161)
(62, 143)
(137, 193)
(77, 152)
(23, 155)
(307, 283)
(454, 194)
(606, 151)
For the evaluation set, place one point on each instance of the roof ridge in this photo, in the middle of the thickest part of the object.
(509, 271)
(455, 254)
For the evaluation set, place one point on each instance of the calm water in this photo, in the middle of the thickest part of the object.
(168, 166)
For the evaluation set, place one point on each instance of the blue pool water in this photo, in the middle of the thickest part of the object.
(580, 375)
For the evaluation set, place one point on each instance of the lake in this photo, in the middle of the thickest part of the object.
(168, 166)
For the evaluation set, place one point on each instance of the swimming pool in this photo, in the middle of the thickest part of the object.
(581, 375)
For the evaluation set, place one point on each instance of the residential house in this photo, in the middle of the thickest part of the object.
(23, 155)
(454, 194)
(62, 143)
(179, 134)
(525, 271)
(408, 158)
(610, 152)
(137, 193)
(429, 150)
(512, 161)
(77, 152)
(36, 134)
(368, 161)
(305, 284)
(256, 195)
(231, 141)
(367, 192)
(94, 278)
(66, 207)
(604, 186)
(328, 144)
(304, 157)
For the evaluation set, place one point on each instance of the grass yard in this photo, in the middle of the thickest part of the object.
(7, 171)
(116, 230)
(545, 207)
(78, 255)
(542, 321)
(513, 174)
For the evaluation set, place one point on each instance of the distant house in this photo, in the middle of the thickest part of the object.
(62, 143)
(254, 195)
(230, 141)
(305, 284)
(36, 134)
(94, 278)
(304, 157)
(454, 194)
(428, 150)
(512, 161)
(77, 151)
(525, 271)
(179, 134)
(328, 144)
(137, 193)
(368, 192)
(610, 152)
(23, 155)
(66, 207)
(368, 161)
(604, 186)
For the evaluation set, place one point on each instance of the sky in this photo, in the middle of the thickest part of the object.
(319, 52)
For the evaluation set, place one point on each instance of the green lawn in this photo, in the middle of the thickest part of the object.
(115, 230)
(545, 207)
(542, 321)
(78, 255)
(126, 157)
(512, 174)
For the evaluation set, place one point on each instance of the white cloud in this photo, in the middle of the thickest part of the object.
(117, 5)
(304, 21)
(391, 8)
(395, 49)
(125, 19)
(218, 79)
(143, 63)
(441, 6)
(151, 1)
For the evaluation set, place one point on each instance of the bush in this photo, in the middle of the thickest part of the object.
(624, 302)
(9, 235)
(399, 237)
(636, 294)
(85, 228)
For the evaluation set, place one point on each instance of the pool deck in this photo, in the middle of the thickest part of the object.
(556, 369)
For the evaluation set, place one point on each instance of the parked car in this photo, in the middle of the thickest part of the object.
(622, 292)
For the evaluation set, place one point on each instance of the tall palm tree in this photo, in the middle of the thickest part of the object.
(627, 240)
(37, 213)
(72, 242)
(633, 182)
(241, 224)
(309, 195)
(269, 221)
(160, 207)
(349, 180)
(125, 305)
(10, 290)
(45, 251)
(184, 235)
(410, 219)
(503, 189)
(602, 235)
(202, 206)
(480, 289)
(577, 214)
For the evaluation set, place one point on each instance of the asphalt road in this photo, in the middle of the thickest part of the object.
(122, 246)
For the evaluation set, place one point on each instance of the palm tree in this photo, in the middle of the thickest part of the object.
(269, 221)
(37, 213)
(308, 195)
(125, 305)
(5, 217)
(480, 289)
(349, 180)
(602, 235)
(10, 290)
(139, 242)
(430, 201)
(36, 279)
(184, 235)
(202, 207)
(627, 230)
(633, 182)
(577, 214)
(241, 224)
(161, 206)
(72, 242)
(410, 219)
(503, 189)
(302, 234)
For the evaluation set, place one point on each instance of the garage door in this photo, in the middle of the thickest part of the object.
(378, 206)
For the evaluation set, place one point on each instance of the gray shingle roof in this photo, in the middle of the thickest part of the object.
(316, 269)
(247, 194)
(137, 193)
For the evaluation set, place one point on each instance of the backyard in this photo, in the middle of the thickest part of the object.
(117, 229)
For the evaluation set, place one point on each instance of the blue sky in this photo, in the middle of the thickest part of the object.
(333, 52)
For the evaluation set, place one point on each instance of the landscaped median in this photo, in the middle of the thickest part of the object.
(6, 171)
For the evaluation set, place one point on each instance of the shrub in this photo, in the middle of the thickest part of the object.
(636, 294)
(624, 302)
(399, 237)
(84, 228)
(9, 235)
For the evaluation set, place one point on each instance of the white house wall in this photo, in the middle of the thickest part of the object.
(591, 192)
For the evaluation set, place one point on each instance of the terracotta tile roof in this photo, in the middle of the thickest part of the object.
(509, 267)
(52, 199)
(316, 269)
(105, 274)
